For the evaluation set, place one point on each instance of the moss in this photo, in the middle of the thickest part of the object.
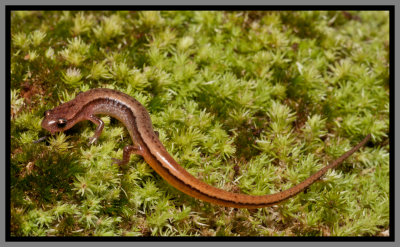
(251, 102)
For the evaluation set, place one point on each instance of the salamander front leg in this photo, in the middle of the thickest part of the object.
(100, 125)
(128, 151)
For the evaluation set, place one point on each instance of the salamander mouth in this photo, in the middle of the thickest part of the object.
(49, 126)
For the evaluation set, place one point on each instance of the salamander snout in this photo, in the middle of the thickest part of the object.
(54, 123)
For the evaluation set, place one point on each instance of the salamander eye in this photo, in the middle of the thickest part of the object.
(47, 113)
(61, 122)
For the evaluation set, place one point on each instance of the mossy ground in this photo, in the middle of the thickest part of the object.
(250, 102)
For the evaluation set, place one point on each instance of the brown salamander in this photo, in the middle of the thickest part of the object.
(137, 120)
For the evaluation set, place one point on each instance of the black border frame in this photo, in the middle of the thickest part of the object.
(390, 8)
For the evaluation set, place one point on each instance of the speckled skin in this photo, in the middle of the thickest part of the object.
(137, 120)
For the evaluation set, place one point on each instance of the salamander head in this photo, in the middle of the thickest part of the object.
(60, 118)
(54, 122)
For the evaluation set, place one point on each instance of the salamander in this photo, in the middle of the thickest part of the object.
(88, 105)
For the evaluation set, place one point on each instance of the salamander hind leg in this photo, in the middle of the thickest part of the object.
(128, 151)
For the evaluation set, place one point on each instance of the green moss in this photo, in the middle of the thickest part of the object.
(251, 102)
